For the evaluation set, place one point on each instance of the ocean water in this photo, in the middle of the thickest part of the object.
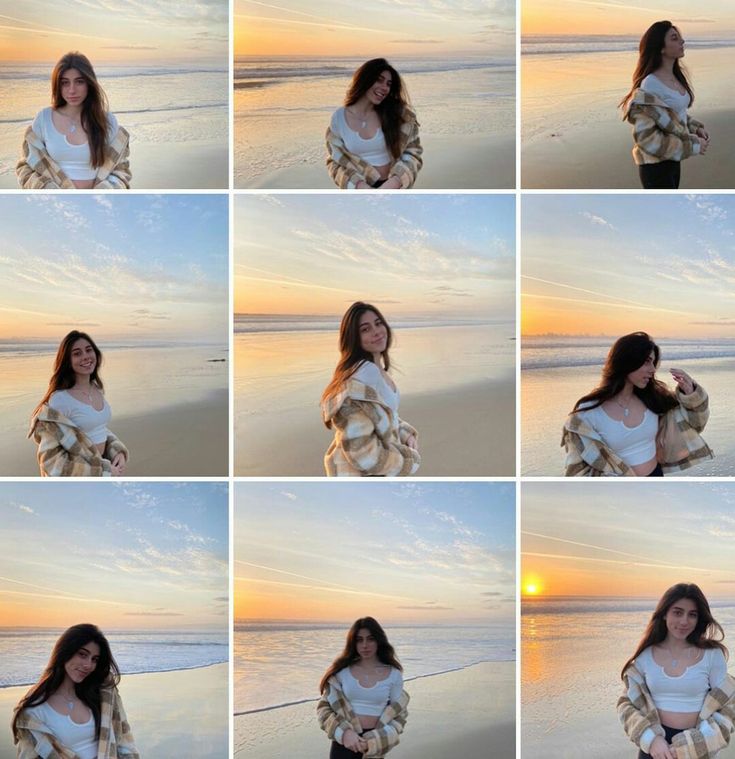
(283, 364)
(156, 104)
(282, 106)
(556, 371)
(589, 76)
(572, 652)
(25, 652)
(276, 664)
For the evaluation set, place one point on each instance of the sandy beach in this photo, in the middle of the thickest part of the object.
(442, 720)
(467, 433)
(181, 713)
(465, 162)
(582, 143)
(186, 440)
(201, 165)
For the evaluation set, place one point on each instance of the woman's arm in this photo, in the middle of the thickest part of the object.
(656, 133)
(407, 167)
(116, 169)
(117, 454)
(637, 712)
(332, 723)
(694, 405)
(123, 735)
(356, 432)
(35, 169)
(386, 735)
(345, 168)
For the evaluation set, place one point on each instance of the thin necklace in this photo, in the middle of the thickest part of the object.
(626, 409)
(674, 661)
(87, 394)
(363, 121)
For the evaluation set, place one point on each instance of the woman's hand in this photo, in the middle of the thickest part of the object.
(684, 382)
(660, 749)
(362, 185)
(352, 741)
(411, 442)
(393, 183)
(118, 465)
(702, 133)
(363, 746)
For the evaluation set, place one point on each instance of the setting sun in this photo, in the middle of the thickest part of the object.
(532, 586)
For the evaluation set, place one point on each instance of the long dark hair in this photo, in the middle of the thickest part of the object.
(105, 674)
(94, 108)
(649, 60)
(63, 376)
(627, 354)
(351, 351)
(349, 655)
(702, 636)
(392, 110)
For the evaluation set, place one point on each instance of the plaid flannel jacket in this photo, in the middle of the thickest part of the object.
(641, 723)
(658, 133)
(65, 451)
(346, 169)
(369, 437)
(334, 710)
(36, 169)
(679, 438)
(115, 741)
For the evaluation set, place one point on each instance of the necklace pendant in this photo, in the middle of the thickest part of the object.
(72, 129)
(626, 412)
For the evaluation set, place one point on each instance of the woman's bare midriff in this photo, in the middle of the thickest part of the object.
(643, 470)
(100, 447)
(367, 723)
(384, 171)
(83, 184)
(678, 720)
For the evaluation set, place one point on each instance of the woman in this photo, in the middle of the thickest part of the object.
(76, 143)
(70, 422)
(74, 710)
(632, 424)
(361, 403)
(362, 708)
(373, 140)
(663, 133)
(679, 701)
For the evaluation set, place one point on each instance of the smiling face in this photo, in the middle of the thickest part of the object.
(681, 618)
(83, 663)
(673, 44)
(365, 644)
(645, 373)
(381, 89)
(373, 333)
(83, 358)
(73, 87)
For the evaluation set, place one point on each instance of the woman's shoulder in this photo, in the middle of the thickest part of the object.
(368, 373)
(59, 398)
(338, 120)
(41, 120)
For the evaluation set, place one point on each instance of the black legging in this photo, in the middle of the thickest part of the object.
(340, 752)
(657, 472)
(660, 176)
(670, 733)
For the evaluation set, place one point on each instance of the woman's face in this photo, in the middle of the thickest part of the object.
(681, 618)
(381, 89)
(83, 357)
(643, 375)
(673, 44)
(83, 663)
(73, 87)
(373, 333)
(365, 643)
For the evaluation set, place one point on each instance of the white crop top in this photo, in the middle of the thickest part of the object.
(91, 422)
(672, 98)
(78, 738)
(374, 150)
(370, 374)
(370, 702)
(634, 445)
(74, 160)
(687, 692)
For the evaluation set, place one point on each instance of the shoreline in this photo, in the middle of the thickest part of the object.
(457, 434)
(485, 162)
(176, 713)
(465, 729)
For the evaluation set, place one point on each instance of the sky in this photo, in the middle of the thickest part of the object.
(402, 552)
(711, 18)
(375, 28)
(447, 256)
(627, 539)
(115, 31)
(125, 556)
(614, 264)
(122, 266)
